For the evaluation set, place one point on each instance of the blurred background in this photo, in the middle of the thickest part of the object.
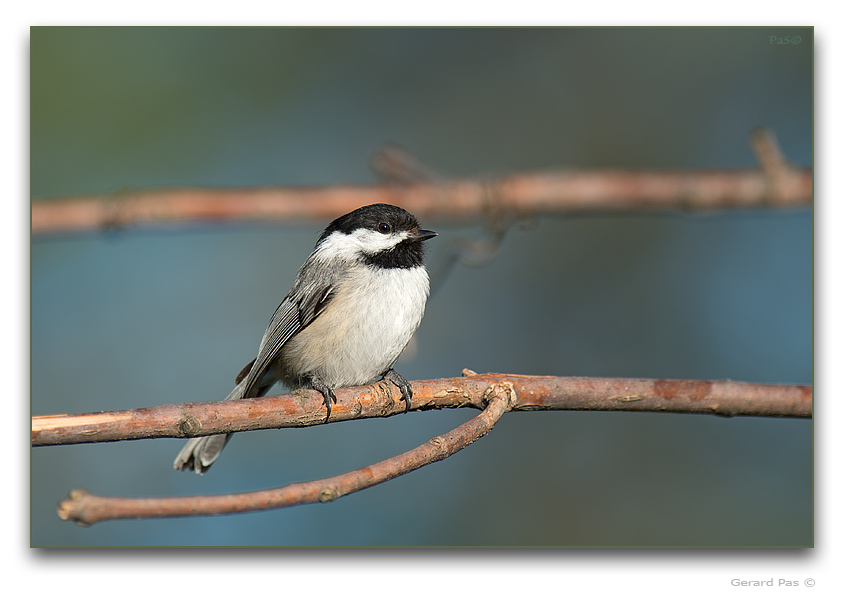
(152, 316)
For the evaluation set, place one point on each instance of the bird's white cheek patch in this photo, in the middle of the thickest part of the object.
(337, 246)
(372, 242)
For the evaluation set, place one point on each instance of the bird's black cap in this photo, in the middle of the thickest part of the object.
(385, 218)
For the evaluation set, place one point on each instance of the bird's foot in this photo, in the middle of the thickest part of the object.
(402, 384)
(327, 394)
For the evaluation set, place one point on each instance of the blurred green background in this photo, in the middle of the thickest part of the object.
(153, 316)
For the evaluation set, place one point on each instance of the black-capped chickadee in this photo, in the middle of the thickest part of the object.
(355, 304)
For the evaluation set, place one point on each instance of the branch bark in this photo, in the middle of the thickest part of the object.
(776, 184)
(304, 407)
(87, 509)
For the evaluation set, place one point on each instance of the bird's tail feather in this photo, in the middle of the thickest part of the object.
(200, 452)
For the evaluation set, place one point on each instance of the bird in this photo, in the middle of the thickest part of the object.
(355, 304)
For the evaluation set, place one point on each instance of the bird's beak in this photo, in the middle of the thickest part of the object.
(423, 234)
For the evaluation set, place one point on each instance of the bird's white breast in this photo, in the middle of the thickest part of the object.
(363, 330)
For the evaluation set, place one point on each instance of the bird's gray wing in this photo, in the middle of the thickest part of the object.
(201, 452)
(308, 298)
(296, 312)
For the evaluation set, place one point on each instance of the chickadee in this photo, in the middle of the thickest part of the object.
(355, 304)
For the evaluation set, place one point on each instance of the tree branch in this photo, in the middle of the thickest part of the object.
(86, 509)
(776, 184)
(305, 407)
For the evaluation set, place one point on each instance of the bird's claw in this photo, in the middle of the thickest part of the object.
(402, 384)
(327, 395)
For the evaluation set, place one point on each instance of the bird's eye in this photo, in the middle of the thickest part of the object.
(384, 227)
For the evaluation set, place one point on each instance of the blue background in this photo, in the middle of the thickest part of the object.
(170, 314)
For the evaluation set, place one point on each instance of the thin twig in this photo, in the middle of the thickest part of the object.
(86, 509)
(777, 169)
(425, 194)
(304, 407)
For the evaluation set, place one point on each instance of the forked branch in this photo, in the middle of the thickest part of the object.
(494, 393)
(86, 509)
